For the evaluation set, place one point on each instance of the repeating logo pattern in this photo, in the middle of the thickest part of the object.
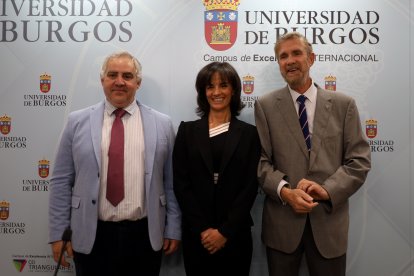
(248, 88)
(43, 168)
(371, 128)
(4, 210)
(330, 83)
(5, 124)
(47, 97)
(248, 84)
(45, 82)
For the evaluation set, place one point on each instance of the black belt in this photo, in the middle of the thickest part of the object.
(124, 222)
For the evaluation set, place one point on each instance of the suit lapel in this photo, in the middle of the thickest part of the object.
(150, 140)
(96, 120)
(323, 112)
(203, 142)
(231, 143)
(287, 109)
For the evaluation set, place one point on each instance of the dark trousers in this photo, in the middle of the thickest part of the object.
(233, 259)
(283, 264)
(120, 248)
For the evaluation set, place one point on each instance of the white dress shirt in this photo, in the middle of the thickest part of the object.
(132, 207)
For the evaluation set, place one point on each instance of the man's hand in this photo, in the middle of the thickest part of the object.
(57, 248)
(299, 200)
(170, 246)
(313, 189)
(212, 240)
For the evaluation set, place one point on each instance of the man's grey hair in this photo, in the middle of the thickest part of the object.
(137, 64)
(293, 35)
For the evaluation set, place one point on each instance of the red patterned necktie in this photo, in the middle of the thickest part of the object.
(115, 178)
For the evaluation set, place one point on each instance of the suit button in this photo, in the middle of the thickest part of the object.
(93, 202)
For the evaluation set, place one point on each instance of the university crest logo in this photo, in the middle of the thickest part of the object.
(371, 128)
(248, 84)
(5, 124)
(43, 168)
(330, 83)
(4, 210)
(220, 25)
(45, 83)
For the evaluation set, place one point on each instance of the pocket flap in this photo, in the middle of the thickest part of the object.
(163, 200)
(75, 201)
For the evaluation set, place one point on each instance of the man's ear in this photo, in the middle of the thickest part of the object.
(312, 58)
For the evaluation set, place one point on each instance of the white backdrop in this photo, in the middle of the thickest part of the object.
(365, 45)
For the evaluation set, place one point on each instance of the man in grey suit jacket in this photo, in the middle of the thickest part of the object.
(307, 188)
(122, 238)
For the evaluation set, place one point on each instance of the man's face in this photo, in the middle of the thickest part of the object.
(294, 64)
(120, 82)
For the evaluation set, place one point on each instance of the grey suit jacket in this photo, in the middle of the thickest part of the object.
(75, 181)
(339, 160)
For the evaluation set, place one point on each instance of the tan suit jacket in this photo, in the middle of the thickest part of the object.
(339, 160)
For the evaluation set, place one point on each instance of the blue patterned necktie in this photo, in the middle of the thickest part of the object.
(303, 120)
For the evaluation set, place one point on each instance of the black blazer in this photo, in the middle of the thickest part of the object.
(229, 209)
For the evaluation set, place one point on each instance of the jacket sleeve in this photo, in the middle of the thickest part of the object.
(173, 219)
(182, 184)
(62, 181)
(268, 174)
(356, 161)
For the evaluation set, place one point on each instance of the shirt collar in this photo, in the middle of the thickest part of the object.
(130, 109)
(310, 93)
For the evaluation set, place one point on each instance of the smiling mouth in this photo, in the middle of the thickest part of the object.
(218, 100)
(291, 70)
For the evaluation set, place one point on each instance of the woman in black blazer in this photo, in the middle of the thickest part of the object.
(215, 177)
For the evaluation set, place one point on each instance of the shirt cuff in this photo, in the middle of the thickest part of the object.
(282, 183)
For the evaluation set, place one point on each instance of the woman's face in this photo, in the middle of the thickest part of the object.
(219, 93)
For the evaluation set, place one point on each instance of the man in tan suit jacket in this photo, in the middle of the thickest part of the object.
(306, 209)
